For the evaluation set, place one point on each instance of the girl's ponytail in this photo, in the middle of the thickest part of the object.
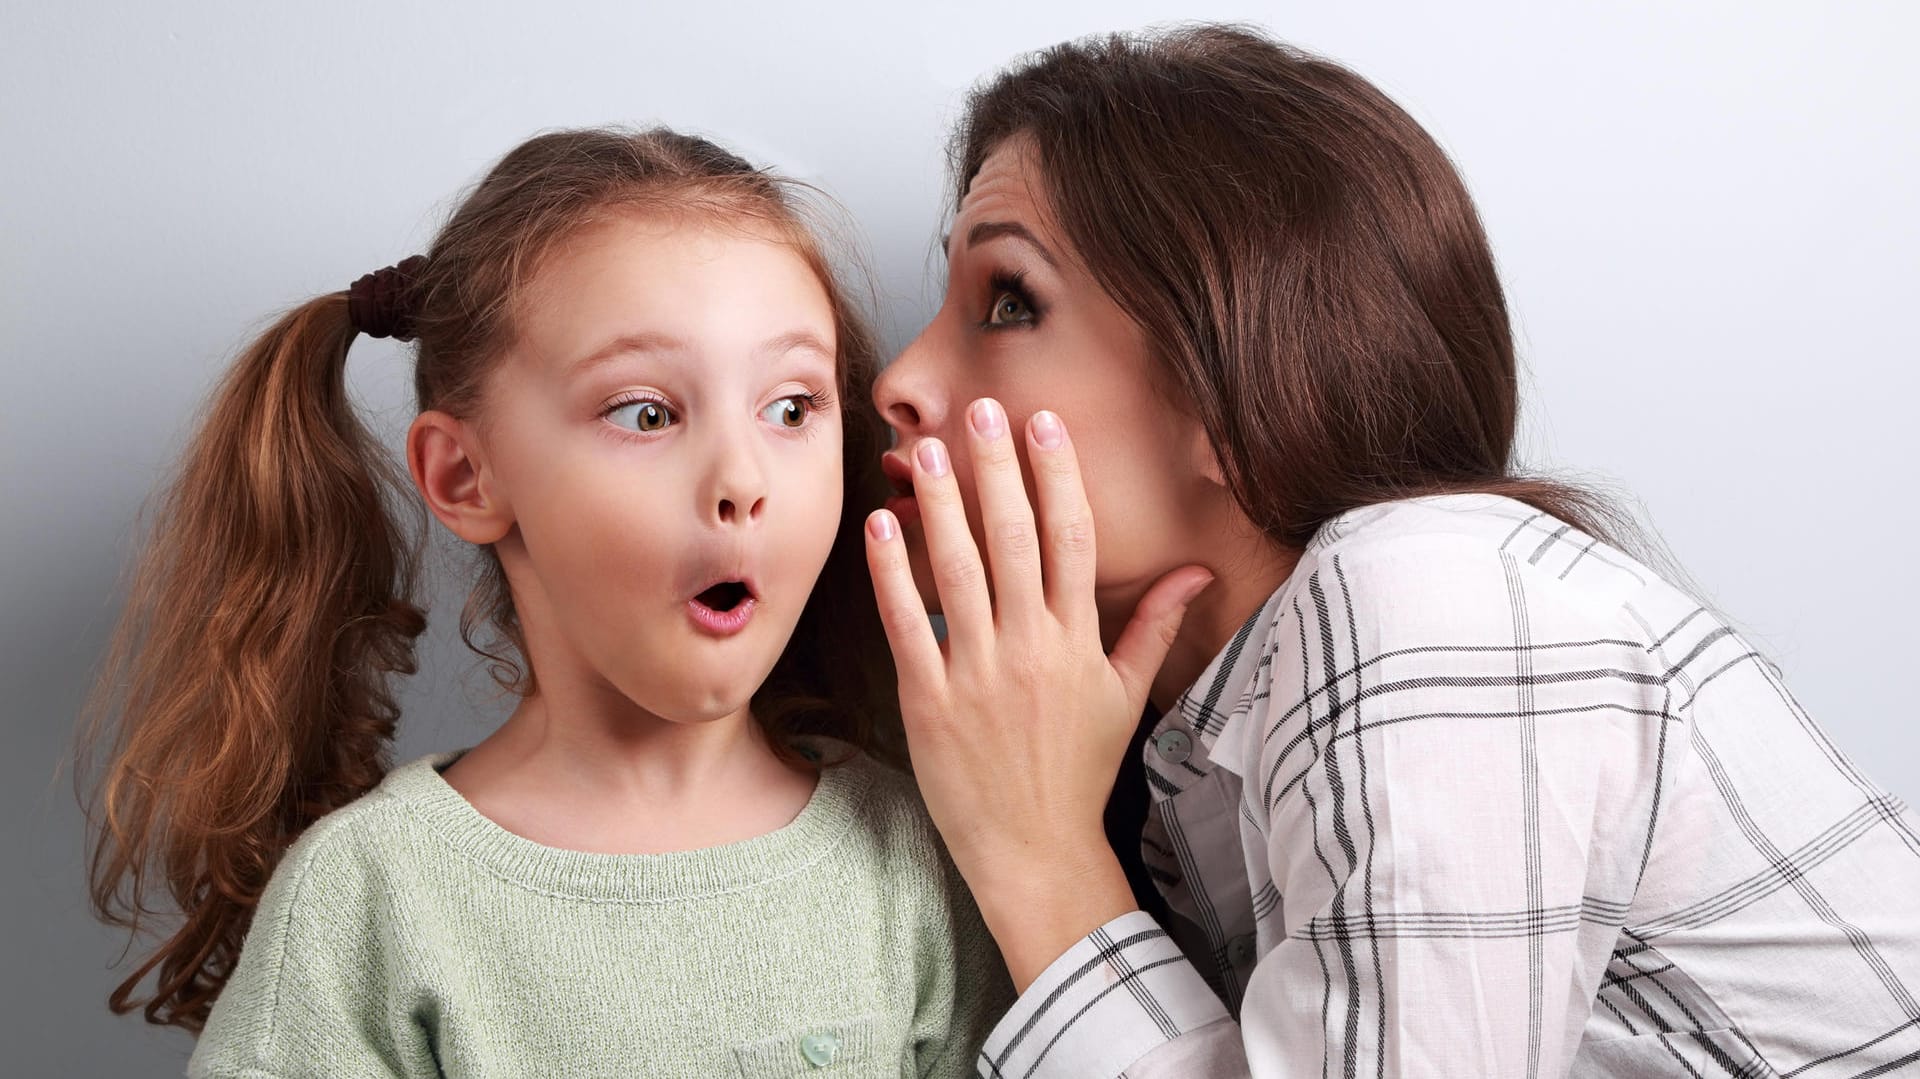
(246, 693)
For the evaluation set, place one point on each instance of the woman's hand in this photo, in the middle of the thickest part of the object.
(1018, 725)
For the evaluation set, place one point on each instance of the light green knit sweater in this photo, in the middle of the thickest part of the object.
(408, 935)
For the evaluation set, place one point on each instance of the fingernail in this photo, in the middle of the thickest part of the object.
(880, 525)
(989, 419)
(1047, 431)
(932, 455)
(1197, 588)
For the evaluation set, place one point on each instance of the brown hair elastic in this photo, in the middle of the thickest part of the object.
(380, 302)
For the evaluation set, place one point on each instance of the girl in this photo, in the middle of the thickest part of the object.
(637, 378)
(1434, 780)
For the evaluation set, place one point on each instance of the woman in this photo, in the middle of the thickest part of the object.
(1433, 779)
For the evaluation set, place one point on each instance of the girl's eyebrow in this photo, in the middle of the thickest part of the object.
(624, 345)
(647, 342)
(796, 341)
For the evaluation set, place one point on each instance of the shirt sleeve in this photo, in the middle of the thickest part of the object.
(1120, 993)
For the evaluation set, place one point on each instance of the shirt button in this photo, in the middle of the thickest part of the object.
(1174, 745)
(819, 1049)
(1240, 951)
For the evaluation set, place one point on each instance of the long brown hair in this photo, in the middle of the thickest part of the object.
(248, 689)
(1302, 256)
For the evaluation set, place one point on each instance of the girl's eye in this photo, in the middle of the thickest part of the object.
(788, 411)
(1009, 308)
(645, 416)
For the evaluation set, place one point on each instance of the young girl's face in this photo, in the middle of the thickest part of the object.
(1024, 322)
(666, 434)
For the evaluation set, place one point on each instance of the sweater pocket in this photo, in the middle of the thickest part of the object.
(843, 1049)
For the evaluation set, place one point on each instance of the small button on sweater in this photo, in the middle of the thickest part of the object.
(408, 935)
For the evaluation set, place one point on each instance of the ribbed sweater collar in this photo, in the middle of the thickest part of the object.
(829, 815)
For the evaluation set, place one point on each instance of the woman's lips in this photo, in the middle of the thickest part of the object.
(893, 465)
(905, 508)
(903, 505)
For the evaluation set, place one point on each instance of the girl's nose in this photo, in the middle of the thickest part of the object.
(737, 485)
(741, 511)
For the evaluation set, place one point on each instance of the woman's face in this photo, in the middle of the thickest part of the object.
(1024, 322)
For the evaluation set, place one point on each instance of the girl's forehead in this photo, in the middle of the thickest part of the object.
(676, 295)
(664, 266)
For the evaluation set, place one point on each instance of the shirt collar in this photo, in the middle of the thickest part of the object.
(1202, 729)
(1213, 711)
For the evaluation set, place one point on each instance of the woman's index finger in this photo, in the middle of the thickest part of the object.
(916, 652)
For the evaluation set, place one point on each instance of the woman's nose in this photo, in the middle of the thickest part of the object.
(908, 393)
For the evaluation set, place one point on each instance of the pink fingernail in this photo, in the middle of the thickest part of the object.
(880, 525)
(932, 456)
(1048, 433)
(988, 418)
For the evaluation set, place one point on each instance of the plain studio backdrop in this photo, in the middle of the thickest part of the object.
(1703, 212)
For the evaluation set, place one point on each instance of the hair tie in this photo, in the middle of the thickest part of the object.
(380, 304)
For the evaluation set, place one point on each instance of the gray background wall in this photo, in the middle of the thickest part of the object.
(1704, 214)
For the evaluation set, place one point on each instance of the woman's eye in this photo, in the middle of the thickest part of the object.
(1008, 308)
(787, 412)
(642, 416)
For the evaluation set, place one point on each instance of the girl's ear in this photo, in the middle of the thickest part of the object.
(444, 455)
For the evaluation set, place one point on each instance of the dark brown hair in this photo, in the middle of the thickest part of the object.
(1301, 255)
(248, 690)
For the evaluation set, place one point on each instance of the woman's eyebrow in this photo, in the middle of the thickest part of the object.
(987, 231)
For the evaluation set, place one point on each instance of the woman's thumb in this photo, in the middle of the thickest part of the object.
(1143, 645)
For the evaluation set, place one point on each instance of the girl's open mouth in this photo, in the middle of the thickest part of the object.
(722, 609)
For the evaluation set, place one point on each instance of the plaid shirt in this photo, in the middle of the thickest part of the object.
(1476, 795)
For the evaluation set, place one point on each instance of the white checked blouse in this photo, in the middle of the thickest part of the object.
(1474, 794)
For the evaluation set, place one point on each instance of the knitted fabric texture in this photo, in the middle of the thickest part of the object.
(408, 935)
